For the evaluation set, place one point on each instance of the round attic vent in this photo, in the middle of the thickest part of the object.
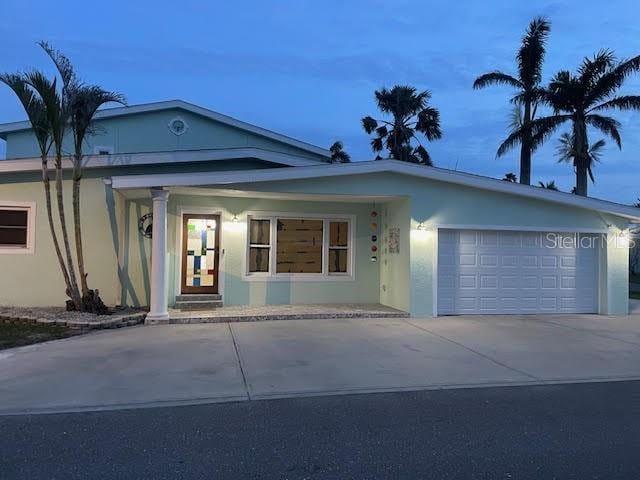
(178, 126)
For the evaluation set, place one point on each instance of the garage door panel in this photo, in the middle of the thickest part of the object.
(514, 272)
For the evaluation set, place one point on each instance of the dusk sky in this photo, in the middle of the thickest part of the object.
(308, 69)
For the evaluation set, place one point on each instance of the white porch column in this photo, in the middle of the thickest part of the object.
(158, 312)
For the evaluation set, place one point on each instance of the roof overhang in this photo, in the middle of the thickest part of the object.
(159, 158)
(201, 179)
(204, 112)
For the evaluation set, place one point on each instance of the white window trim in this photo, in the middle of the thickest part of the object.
(325, 276)
(30, 207)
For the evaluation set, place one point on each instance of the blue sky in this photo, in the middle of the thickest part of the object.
(309, 69)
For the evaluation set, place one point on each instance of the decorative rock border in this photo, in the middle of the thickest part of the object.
(107, 321)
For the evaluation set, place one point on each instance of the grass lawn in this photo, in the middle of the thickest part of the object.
(16, 334)
(635, 295)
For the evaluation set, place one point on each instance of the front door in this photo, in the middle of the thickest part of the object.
(200, 253)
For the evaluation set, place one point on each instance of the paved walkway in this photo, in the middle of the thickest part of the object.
(249, 313)
(179, 364)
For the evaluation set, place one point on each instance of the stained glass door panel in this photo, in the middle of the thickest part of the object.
(200, 253)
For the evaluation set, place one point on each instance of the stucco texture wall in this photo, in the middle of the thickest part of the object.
(436, 204)
(236, 288)
(35, 279)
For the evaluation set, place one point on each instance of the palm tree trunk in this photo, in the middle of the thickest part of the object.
(74, 293)
(77, 229)
(525, 147)
(54, 235)
(582, 162)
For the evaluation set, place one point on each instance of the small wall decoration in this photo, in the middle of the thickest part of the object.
(374, 238)
(394, 240)
(145, 225)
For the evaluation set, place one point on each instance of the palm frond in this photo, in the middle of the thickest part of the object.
(531, 54)
(338, 155)
(607, 125)
(612, 79)
(62, 63)
(377, 145)
(33, 107)
(424, 156)
(622, 103)
(83, 103)
(369, 124)
(57, 114)
(429, 123)
(496, 78)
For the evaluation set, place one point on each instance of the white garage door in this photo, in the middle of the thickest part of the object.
(486, 272)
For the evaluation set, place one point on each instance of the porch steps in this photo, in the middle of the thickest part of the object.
(197, 302)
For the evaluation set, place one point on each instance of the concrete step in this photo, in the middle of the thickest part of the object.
(199, 305)
(199, 297)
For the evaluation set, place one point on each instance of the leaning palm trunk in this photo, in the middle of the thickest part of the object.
(78, 229)
(54, 235)
(73, 284)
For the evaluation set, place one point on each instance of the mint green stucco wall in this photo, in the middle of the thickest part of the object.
(236, 288)
(395, 267)
(439, 203)
(118, 257)
(149, 132)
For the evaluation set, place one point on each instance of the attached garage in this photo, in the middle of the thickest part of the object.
(516, 272)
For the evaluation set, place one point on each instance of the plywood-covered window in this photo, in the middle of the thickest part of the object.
(299, 246)
(282, 246)
(16, 228)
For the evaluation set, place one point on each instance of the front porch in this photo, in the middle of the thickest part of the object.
(253, 313)
(238, 255)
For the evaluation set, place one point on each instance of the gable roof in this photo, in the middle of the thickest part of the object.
(377, 166)
(6, 128)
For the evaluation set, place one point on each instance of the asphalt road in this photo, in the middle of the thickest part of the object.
(581, 431)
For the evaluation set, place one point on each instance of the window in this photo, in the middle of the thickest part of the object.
(299, 246)
(102, 150)
(259, 245)
(338, 247)
(16, 228)
(283, 246)
(178, 126)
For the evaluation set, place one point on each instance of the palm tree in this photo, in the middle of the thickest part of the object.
(510, 177)
(82, 102)
(530, 58)
(566, 152)
(549, 185)
(36, 113)
(580, 98)
(411, 114)
(338, 155)
(54, 109)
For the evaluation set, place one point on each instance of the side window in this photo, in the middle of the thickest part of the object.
(259, 245)
(16, 228)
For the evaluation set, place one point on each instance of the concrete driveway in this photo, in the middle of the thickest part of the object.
(176, 364)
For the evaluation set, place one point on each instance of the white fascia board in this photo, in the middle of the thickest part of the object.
(205, 112)
(158, 158)
(378, 166)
